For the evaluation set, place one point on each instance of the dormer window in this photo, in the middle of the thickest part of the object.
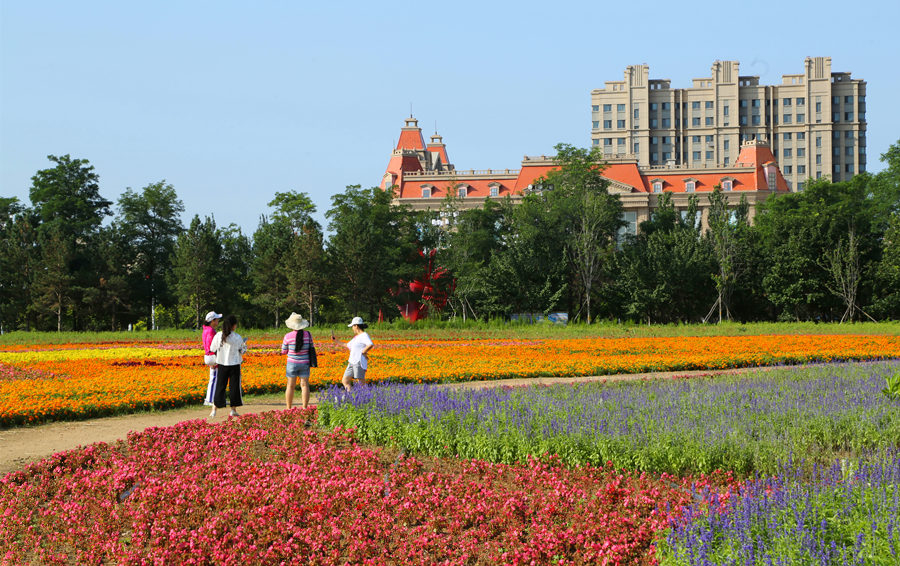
(727, 183)
(690, 186)
(462, 191)
(426, 192)
(657, 185)
(494, 189)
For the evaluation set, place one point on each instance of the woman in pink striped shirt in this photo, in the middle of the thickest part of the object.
(301, 355)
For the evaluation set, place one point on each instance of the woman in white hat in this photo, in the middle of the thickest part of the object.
(359, 346)
(301, 355)
(209, 357)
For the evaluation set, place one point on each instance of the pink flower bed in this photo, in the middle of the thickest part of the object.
(265, 489)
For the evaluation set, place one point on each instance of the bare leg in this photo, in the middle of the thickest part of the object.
(347, 381)
(289, 391)
(304, 391)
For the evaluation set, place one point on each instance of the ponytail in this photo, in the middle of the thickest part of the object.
(228, 325)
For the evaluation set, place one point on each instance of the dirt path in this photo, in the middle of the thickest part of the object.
(21, 446)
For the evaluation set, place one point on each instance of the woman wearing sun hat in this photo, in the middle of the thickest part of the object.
(359, 346)
(301, 355)
(209, 357)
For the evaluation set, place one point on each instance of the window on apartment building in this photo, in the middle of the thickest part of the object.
(801, 169)
(755, 103)
(787, 118)
(818, 159)
(654, 140)
(743, 121)
(620, 141)
(654, 157)
(667, 155)
(657, 186)
(689, 186)
(801, 101)
(695, 139)
(595, 124)
(695, 105)
(607, 107)
(801, 186)
(636, 148)
(743, 103)
(848, 150)
(818, 106)
(725, 145)
(666, 123)
(495, 191)
(837, 168)
(848, 100)
(848, 116)
(636, 114)
(709, 121)
(771, 180)
(756, 119)
(426, 192)
(836, 134)
(596, 141)
(818, 141)
(666, 140)
(772, 102)
(595, 108)
(801, 118)
(785, 102)
(725, 160)
(709, 155)
(666, 106)
(607, 124)
(848, 168)
(695, 156)
(620, 108)
(695, 121)
(654, 123)
(801, 152)
(709, 139)
(787, 152)
(654, 106)
(620, 124)
(607, 141)
(462, 192)
(848, 134)
(862, 150)
(835, 116)
(787, 136)
(725, 110)
(709, 104)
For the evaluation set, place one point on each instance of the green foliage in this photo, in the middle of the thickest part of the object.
(892, 389)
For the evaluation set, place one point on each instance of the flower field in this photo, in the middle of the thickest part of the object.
(264, 489)
(39, 383)
(745, 423)
(788, 466)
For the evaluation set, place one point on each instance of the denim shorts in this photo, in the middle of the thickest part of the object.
(297, 370)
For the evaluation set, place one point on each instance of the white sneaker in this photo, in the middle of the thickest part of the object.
(212, 414)
(233, 413)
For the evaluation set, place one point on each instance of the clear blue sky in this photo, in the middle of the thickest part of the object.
(231, 102)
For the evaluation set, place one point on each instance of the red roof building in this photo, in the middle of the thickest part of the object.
(421, 177)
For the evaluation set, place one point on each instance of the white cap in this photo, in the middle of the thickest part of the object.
(212, 315)
(356, 320)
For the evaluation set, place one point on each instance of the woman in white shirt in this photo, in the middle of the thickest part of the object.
(359, 346)
(229, 347)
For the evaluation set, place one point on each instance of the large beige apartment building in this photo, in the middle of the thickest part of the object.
(814, 122)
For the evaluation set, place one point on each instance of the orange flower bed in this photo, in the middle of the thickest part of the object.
(59, 383)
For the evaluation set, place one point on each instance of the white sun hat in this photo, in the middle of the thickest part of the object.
(212, 315)
(357, 321)
(296, 322)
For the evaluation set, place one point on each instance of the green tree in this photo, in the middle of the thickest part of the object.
(725, 224)
(303, 262)
(18, 251)
(587, 213)
(151, 222)
(53, 282)
(887, 275)
(196, 266)
(271, 244)
(374, 246)
(66, 199)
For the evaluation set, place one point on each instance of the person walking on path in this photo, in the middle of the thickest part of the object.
(359, 347)
(209, 357)
(229, 348)
(301, 356)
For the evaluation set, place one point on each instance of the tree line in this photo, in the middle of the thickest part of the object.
(74, 260)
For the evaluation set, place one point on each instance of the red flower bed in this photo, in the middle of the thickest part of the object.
(265, 489)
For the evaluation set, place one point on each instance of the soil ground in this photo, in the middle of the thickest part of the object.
(21, 446)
